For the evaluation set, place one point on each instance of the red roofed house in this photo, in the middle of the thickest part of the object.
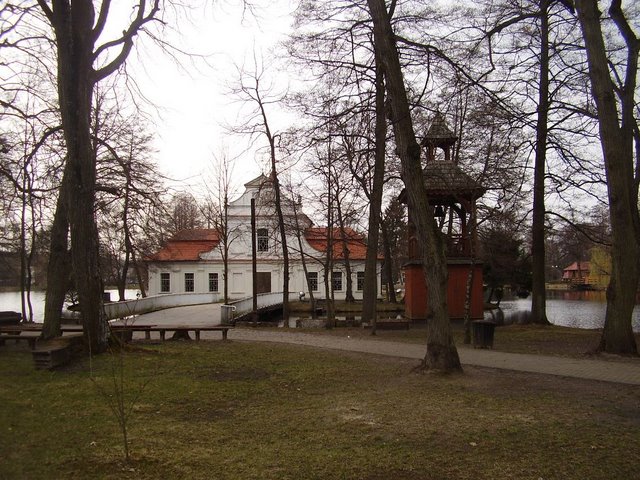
(577, 273)
(191, 261)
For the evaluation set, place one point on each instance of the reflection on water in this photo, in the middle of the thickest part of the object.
(12, 301)
(566, 308)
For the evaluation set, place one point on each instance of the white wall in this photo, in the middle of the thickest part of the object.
(240, 285)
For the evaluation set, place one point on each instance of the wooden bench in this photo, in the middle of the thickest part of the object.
(184, 330)
(36, 327)
(14, 332)
(52, 353)
(8, 317)
(390, 324)
(17, 337)
(125, 332)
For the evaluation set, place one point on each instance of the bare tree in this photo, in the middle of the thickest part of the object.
(614, 90)
(217, 212)
(538, 296)
(441, 351)
(254, 90)
(129, 185)
(77, 27)
(370, 293)
(184, 213)
(334, 43)
(298, 225)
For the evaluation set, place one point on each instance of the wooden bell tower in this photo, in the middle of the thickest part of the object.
(453, 195)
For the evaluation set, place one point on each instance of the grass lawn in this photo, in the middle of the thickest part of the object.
(536, 339)
(234, 410)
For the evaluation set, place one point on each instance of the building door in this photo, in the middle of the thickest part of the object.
(263, 282)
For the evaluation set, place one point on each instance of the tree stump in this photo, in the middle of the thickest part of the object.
(182, 334)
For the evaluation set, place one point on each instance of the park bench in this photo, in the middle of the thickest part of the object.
(9, 318)
(14, 332)
(31, 339)
(390, 324)
(53, 353)
(182, 331)
(125, 332)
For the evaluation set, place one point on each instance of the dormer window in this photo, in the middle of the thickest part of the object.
(263, 240)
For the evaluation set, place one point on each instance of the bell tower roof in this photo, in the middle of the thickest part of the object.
(439, 137)
(439, 133)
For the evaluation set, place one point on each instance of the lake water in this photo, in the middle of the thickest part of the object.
(12, 301)
(569, 309)
(565, 308)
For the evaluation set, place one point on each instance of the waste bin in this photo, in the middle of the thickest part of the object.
(226, 314)
(483, 333)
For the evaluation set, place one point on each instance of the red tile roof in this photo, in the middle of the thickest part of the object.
(577, 267)
(196, 234)
(356, 242)
(187, 245)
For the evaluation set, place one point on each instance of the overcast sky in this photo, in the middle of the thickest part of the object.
(192, 100)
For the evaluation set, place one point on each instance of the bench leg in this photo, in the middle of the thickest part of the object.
(147, 335)
(197, 332)
(162, 335)
(224, 334)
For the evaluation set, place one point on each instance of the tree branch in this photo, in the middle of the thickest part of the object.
(102, 19)
(126, 40)
(46, 9)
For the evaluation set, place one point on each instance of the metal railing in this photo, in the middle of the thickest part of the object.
(161, 302)
(245, 305)
(157, 302)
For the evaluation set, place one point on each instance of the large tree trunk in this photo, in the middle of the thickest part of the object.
(538, 294)
(58, 267)
(616, 138)
(441, 350)
(370, 288)
(74, 38)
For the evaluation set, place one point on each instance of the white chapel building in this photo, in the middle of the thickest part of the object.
(191, 261)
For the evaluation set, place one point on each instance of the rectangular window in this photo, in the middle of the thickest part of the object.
(262, 240)
(165, 282)
(336, 281)
(360, 281)
(213, 282)
(189, 282)
(313, 281)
